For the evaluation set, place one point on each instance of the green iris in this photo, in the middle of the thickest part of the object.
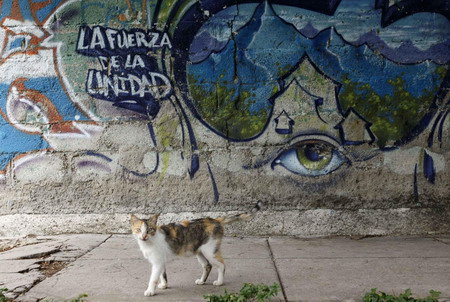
(314, 156)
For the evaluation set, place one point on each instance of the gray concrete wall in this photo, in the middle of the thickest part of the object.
(335, 114)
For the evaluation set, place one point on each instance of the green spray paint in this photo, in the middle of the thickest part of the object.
(227, 113)
(392, 116)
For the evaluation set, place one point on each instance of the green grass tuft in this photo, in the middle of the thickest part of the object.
(2, 296)
(80, 298)
(377, 296)
(249, 292)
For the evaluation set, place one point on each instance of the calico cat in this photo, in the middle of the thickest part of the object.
(201, 237)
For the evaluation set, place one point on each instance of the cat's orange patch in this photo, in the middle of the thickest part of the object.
(172, 232)
(185, 223)
(220, 219)
(218, 256)
(136, 224)
(209, 226)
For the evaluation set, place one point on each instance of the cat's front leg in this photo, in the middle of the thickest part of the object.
(156, 272)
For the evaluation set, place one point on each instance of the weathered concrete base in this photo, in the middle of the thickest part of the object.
(309, 223)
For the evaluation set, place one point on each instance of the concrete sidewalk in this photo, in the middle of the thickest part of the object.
(111, 268)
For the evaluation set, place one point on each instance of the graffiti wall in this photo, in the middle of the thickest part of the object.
(334, 113)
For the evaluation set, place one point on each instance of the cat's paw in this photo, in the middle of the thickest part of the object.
(217, 283)
(199, 282)
(149, 293)
(162, 285)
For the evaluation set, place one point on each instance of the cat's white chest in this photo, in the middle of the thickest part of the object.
(156, 249)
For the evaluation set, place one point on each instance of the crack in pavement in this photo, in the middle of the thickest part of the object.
(46, 268)
(68, 262)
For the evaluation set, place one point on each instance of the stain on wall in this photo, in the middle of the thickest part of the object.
(311, 96)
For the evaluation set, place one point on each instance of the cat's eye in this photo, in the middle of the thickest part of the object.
(311, 158)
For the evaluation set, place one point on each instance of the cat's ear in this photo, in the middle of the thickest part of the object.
(134, 219)
(153, 220)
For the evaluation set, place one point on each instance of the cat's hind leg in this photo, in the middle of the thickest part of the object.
(163, 279)
(206, 269)
(215, 258)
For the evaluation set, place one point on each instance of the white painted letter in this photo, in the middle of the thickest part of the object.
(131, 40)
(165, 85)
(104, 62)
(134, 79)
(166, 41)
(110, 35)
(97, 38)
(140, 39)
(81, 40)
(115, 62)
(137, 61)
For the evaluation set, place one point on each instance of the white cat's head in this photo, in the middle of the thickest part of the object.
(144, 229)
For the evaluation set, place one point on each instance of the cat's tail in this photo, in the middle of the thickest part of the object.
(241, 217)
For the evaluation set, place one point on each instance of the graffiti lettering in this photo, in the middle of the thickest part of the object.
(100, 40)
(127, 72)
(116, 62)
(113, 87)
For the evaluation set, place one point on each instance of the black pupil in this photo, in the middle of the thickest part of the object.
(313, 151)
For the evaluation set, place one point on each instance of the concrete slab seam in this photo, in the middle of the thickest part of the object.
(276, 270)
(369, 257)
(441, 241)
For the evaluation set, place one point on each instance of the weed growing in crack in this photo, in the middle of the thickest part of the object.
(378, 296)
(80, 298)
(249, 292)
(2, 296)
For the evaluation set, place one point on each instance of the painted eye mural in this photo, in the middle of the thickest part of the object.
(311, 158)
